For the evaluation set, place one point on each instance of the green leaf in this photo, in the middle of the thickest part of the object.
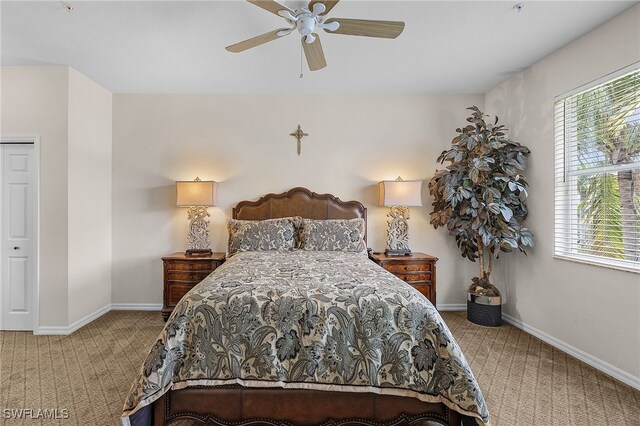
(494, 192)
(474, 175)
(494, 208)
(507, 213)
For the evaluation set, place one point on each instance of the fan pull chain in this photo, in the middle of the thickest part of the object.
(301, 74)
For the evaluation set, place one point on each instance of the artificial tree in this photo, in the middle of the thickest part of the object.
(481, 195)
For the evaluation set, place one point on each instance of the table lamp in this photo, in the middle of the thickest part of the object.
(399, 195)
(197, 195)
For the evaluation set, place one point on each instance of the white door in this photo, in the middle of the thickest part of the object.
(17, 233)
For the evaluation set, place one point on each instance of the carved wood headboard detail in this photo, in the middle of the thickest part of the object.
(300, 202)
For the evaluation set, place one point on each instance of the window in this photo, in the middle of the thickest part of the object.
(597, 189)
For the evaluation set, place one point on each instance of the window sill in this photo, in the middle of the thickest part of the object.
(602, 264)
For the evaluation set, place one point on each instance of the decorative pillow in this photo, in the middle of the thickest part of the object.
(333, 235)
(261, 235)
(297, 226)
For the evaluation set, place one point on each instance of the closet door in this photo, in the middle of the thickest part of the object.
(17, 196)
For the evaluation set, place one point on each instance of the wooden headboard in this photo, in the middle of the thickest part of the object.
(300, 202)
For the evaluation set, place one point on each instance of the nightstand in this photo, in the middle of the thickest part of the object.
(418, 269)
(182, 273)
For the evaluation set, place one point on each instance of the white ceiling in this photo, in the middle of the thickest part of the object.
(178, 47)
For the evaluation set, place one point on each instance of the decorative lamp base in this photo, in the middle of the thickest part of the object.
(198, 232)
(398, 232)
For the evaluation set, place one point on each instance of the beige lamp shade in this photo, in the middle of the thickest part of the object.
(195, 193)
(400, 193)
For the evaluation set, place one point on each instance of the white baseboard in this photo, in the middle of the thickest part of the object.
(452, 307)
(596, 363)
(65, 331)
(50, 330)
(136, 306)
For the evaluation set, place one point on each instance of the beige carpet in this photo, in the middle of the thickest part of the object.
(525, 381)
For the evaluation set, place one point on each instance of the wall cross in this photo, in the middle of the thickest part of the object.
(299, 134)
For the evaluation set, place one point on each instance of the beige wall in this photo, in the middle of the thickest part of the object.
(34, 102)
(594, 309)
(89, 186)
(72, 116)
(243, 143)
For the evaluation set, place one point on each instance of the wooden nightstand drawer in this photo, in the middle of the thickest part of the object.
(188, 276)
(199, 265)
(425, 289)
(419, 270)
(176, 291)
(407, 267)
(182, 273)
(422, 276)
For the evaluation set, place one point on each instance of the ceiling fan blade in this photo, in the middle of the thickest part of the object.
(329, 4)
(367, 28)
(256, 41)
(271, 6)
(315, 55)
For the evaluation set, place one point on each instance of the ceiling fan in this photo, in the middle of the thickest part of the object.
(310, 18)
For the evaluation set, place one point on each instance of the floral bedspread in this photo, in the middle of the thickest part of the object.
(313, 320)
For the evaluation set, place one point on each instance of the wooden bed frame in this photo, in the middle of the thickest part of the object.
(238, 406)
(300, 202)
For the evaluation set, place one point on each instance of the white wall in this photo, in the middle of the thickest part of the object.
(89, 202)
(594, 309)
(34, 102)
(243, 142)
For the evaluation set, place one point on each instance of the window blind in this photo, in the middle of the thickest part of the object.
(597, 172)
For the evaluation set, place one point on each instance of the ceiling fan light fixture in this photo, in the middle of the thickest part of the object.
(306, 24)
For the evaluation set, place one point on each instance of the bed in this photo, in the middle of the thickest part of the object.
(306, 336)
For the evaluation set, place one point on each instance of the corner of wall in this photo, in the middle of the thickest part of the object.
(89, 196)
